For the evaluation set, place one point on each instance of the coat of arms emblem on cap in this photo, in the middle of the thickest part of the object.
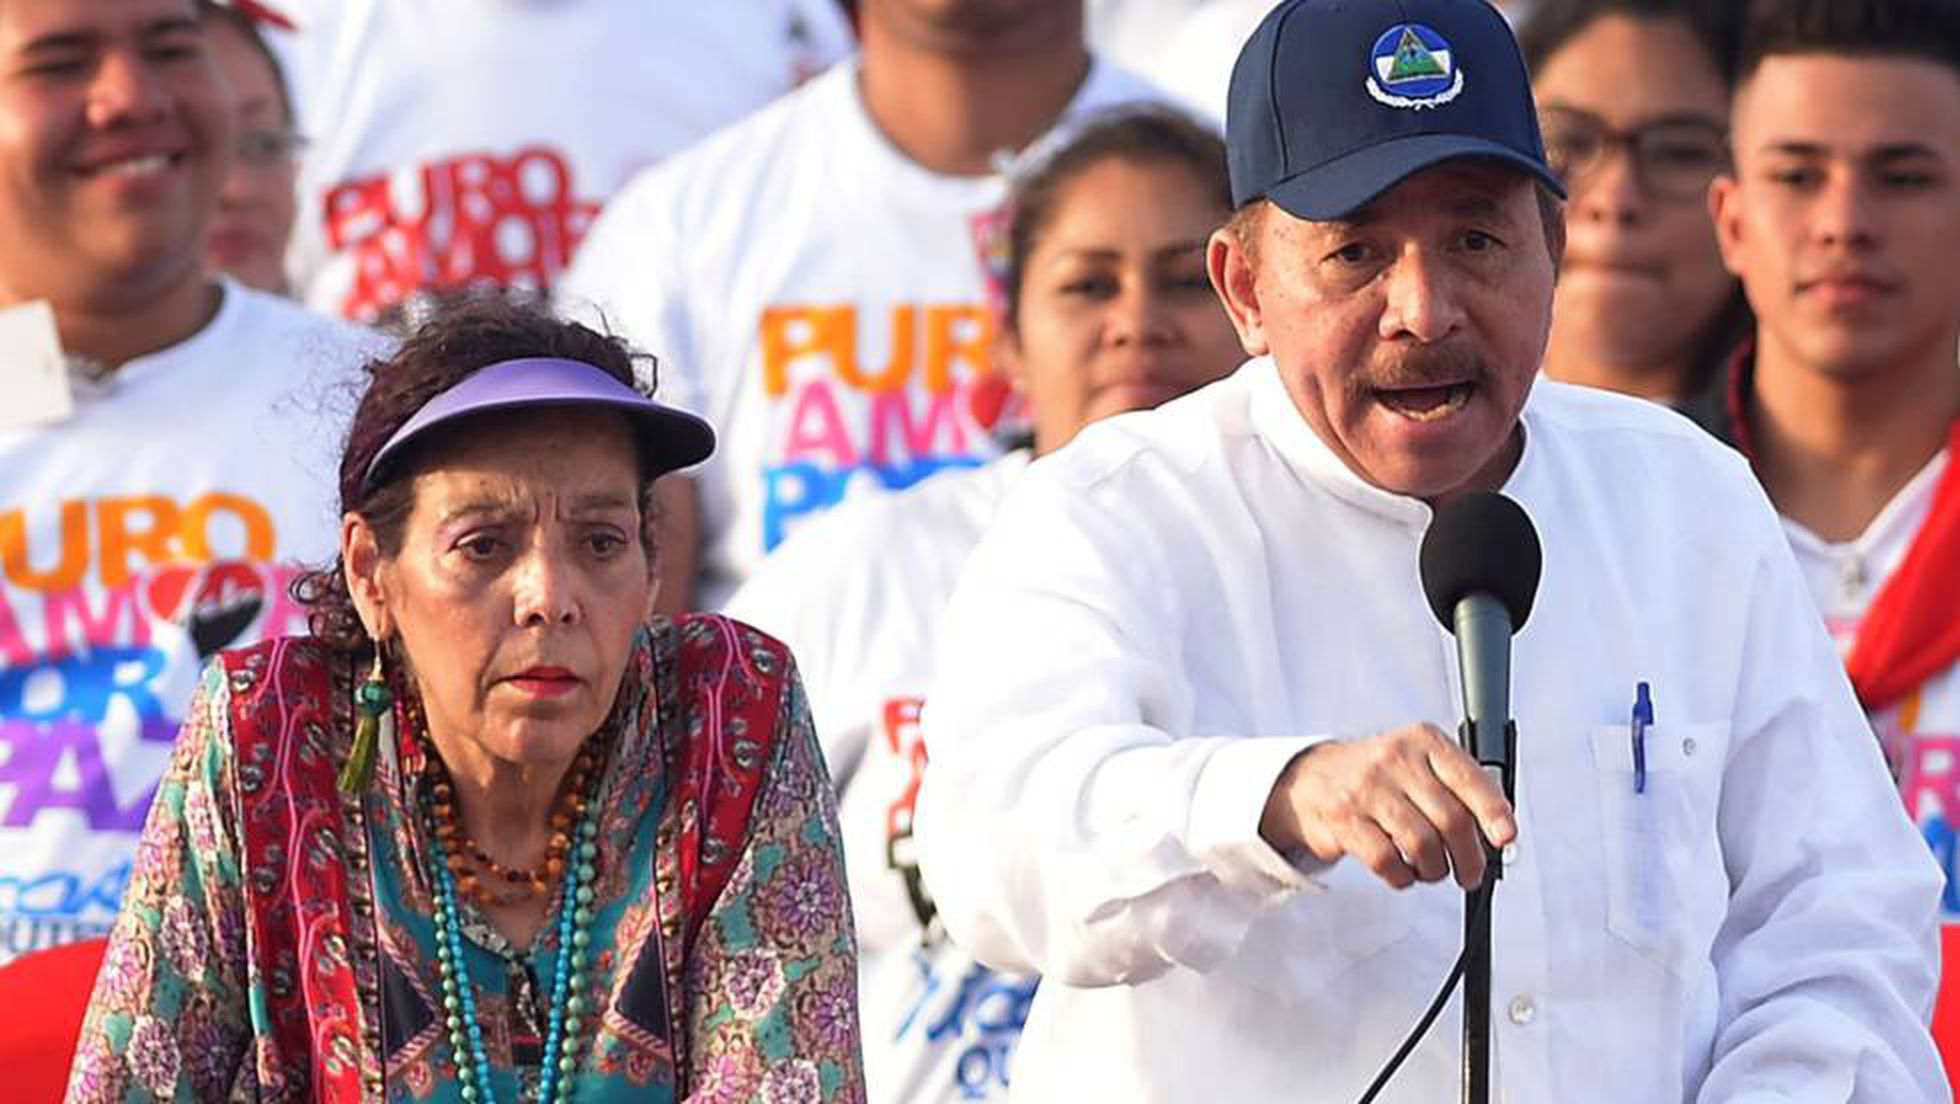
(1413, 68)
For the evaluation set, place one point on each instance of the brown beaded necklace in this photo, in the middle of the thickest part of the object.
(483, 879)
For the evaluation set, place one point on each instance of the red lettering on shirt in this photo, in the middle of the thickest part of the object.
(1931, 782)
(905, 739)
(478, 219)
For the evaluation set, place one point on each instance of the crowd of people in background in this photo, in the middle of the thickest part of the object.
(895, 252)
(1108, 309)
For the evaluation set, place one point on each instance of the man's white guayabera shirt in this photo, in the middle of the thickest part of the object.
(1171, 608)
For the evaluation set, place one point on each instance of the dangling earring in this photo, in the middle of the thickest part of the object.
(372, 698)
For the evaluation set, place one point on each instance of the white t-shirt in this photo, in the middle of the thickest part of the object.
(1163, 614)
(1195, 65)
(1191, 49)
(1135, 34)
(151, 529)
(454, 142)
(1920, 733)
(937, 1025)
(820, 298)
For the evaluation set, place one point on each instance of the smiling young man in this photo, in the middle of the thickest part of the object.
(151, 524)
(1186, 751)
(1841, 219)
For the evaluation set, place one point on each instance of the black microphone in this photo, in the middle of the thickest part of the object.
(1480, 563)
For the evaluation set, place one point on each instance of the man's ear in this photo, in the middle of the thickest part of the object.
(361, 566)
(1555, 239)
(1233, 277)
(1725, 208)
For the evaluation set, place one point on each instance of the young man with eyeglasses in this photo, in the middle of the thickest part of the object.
(1841, 219)
(1634, 98)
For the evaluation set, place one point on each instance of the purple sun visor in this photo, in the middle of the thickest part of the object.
(669, 438)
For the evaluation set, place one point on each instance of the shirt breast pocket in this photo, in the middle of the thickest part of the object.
(1659, 838)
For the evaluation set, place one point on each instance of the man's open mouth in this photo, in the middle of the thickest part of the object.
(1426, 404)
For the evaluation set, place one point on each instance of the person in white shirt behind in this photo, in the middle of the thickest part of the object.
(1841, 218)
(1134, 33)
(1190, 54)
(815, 279)
(460, 144)
(153, 513)
(1184, 747)
(259, 203)
(1108, 309)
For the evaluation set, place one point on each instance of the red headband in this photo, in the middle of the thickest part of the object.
(263, 15)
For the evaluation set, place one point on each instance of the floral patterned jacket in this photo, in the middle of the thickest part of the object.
(277, 942)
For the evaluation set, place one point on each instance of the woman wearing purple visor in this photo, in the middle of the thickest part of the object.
(493, 832)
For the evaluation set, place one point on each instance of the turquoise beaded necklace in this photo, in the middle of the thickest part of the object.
(567, 1016)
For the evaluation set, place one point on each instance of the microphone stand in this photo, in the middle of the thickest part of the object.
(1478, 919)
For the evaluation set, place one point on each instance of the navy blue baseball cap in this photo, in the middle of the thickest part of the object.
(1333, 102)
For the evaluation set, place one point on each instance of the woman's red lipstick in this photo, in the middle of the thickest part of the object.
(545, 682)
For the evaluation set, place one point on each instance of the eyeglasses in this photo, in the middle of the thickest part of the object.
(261, 147)
(1672, 158)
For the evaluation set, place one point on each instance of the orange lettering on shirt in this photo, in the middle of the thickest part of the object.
(953, 334)
(120, 538)
(69, 568)
(898, 366)
(261, 540)
(790, 333)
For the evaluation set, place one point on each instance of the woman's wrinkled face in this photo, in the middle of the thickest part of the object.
(523, 575)
(1116, 312)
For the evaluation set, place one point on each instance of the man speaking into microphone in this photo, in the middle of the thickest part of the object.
(1191, 754)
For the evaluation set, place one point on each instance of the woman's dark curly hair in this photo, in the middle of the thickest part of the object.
(454, 340)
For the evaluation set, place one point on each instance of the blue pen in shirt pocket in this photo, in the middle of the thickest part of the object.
(1643, 715)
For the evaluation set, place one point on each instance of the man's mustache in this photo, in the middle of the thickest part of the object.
(1423, 366)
